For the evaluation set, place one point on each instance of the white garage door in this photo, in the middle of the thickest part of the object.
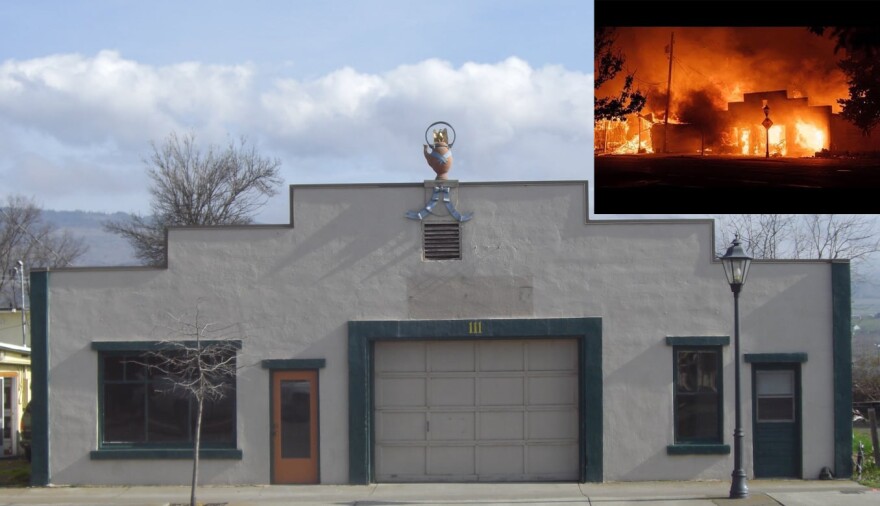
(476, 411)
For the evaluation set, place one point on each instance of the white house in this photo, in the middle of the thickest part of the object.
(446, 331)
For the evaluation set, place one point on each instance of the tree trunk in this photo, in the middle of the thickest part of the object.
(195, 477)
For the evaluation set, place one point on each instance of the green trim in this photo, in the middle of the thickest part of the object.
(271, 422)
(294, 364)
(360, 396)
(39, 298)
(841, 325)
(362, 335)
(157, 345)
(798, 406)
(775, 358)
(698, 340)
(698, 449)
(145, 454)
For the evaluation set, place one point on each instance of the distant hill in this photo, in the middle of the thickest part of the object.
(104, 249)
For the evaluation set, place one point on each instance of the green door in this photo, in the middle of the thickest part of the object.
(776, 420)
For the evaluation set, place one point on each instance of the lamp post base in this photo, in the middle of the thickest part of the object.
(738, 487)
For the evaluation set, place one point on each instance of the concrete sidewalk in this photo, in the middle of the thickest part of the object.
(763, 493)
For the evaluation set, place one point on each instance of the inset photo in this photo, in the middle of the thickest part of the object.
(702, 119)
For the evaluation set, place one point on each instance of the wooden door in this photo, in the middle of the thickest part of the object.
(295, 426)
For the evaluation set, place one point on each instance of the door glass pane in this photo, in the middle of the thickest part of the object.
(775, 396)
(775, 382)
(295, 419)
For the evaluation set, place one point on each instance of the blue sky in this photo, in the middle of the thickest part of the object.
(339, 91)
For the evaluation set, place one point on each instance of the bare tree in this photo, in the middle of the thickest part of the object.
(198, 361)
(852, 236)
(191, 186)
(764, 235)
(820, 236)
(26, 237)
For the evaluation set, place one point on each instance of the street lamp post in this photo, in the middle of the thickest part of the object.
(736, 262)
(767, 124)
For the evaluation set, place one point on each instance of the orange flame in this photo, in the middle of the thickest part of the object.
(809, 136)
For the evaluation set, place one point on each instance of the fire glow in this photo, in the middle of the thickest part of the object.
(718, 83)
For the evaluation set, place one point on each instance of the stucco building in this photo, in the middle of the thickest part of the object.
(440, 331)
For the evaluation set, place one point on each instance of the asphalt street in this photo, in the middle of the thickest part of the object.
(722, 184)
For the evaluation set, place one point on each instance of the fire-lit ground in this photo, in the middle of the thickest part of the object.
(650, 183)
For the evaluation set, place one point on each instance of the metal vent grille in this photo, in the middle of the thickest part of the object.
(442, 241)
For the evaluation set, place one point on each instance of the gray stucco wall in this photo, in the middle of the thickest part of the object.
(528, 252)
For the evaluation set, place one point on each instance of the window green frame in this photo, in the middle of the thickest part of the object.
(713, 445)
(155, 450)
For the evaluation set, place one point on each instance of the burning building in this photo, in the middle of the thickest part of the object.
(797, 129)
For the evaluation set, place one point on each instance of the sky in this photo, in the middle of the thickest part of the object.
(338, 91)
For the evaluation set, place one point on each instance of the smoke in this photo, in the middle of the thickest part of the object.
(700, 108)
(730, 62)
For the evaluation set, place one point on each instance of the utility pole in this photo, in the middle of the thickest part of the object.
(668, 93)
(20, 270)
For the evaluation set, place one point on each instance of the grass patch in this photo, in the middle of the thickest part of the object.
(15, 473)
(870, 470)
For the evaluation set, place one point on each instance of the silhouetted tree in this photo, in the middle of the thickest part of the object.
(608, 62)
(862, 69)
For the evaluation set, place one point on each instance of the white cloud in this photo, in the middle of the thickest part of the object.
(512, 121)
(83, 100)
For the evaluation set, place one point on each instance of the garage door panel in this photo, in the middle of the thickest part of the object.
(452, 391)
(553, 424)
(502, 391)
(555, 460)
(502, 425)
(451, 460)
(478, 411)
(400, 357)
(454, 426)
(400, 461)
(502, 356)
(552, 355)
(552, 390)
(452, 357)
(392, 426)
(496, 461)
(397, 392)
